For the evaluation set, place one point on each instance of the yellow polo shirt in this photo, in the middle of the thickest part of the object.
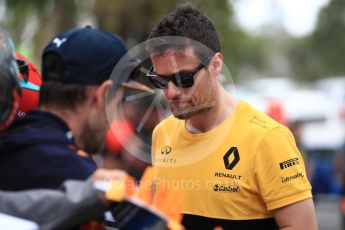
(240, 170)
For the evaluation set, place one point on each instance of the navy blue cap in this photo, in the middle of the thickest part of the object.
(88, 56)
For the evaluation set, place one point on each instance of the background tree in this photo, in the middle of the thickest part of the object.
(322, 53)
(32, 23)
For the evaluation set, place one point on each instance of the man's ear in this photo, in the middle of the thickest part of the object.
(100, 93)
(216, 64)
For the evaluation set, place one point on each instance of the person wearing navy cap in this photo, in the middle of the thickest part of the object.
(75, 201)
(53, 143)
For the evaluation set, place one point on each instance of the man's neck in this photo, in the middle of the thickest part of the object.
(224, 105)
(73, 119)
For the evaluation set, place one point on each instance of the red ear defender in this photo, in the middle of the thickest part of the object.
(30, 82)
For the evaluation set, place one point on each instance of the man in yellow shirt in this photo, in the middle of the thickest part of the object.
(239, 168)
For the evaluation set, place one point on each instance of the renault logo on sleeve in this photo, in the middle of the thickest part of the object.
(165, 150)
(231, 158)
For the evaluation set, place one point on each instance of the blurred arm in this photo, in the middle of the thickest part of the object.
(51, 209)
(298, 216)
(74, 204)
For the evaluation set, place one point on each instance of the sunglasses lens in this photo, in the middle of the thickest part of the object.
(181, 79)
(158, 82)
(184, 80)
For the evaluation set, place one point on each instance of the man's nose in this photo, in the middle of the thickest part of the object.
(172, 91)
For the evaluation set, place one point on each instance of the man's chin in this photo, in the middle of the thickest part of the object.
(187, 113)
(184, 114)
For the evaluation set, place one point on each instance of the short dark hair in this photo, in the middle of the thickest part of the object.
(186, 21)
(55, 93)
(66, 96)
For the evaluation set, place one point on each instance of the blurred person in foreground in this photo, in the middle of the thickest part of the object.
(53, 143)
(75, 202)
(239, 168)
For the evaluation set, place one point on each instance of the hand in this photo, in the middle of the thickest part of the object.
(107, 174)
(102, 178)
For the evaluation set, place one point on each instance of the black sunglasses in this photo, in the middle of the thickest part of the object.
(183, 79)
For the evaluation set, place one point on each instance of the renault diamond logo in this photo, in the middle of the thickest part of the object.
(166, 150)
(236, 158)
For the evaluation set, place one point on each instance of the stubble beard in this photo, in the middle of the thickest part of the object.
(93, 138)
(187, 113)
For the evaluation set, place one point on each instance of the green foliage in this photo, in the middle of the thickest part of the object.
(322, 53)
(132, 20)
(32, 23)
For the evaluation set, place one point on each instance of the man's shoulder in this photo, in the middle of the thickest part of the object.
(168, 122)
(36, 129)
(37, 120)
(255, 119)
